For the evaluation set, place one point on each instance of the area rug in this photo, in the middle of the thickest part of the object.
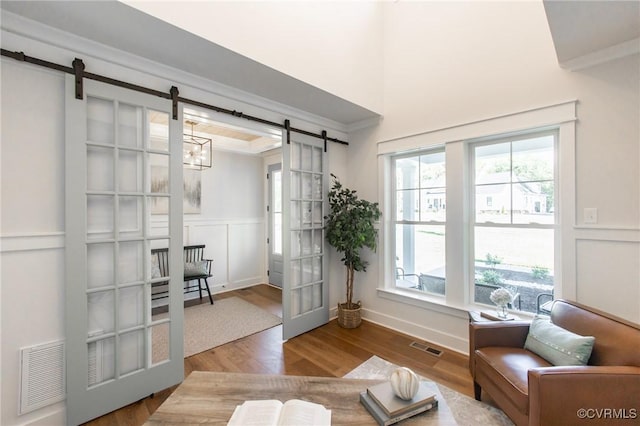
(207, 326)
(467, 411)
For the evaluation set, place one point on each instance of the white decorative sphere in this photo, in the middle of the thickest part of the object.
(405, 383)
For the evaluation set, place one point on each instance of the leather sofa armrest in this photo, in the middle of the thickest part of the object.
(589, 395)
(496, 333)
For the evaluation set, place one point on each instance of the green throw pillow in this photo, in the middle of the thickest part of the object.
(195, 269)
(557, 345)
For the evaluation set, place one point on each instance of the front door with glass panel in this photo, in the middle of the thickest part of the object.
(123, 159)
(305, 289)
(275, 224)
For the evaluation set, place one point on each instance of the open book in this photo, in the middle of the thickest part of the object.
(271, 412)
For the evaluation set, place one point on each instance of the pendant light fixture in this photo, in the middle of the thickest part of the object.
(196, 150)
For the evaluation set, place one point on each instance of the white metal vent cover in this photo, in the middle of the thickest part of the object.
(42, 376)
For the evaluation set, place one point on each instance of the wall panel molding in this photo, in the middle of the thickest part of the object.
(237, 247)
(607, 233)
(32, 241)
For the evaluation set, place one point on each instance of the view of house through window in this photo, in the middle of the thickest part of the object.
(514, 219)
(511, 213)
(420, 215)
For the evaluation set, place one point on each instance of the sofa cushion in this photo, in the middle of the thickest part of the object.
(507, 368)
(557, 345)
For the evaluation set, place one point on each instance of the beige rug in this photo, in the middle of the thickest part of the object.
(466, 410)
(207, 326)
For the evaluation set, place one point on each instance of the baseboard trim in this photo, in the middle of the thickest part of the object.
(57, 417)
(446, 340)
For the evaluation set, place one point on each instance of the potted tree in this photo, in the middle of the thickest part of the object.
(349, 228)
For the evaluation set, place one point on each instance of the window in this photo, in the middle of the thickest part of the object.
(513, 218)
(504, 185)
(276, 188)
(419, 218)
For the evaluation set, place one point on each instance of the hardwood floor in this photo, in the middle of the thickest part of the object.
(328, 351)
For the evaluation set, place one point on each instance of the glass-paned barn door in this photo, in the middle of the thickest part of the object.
(305, 286)
(123, 162)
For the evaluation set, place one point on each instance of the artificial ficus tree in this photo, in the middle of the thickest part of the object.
(349, 228)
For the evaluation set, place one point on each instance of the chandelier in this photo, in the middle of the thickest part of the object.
(196, 150)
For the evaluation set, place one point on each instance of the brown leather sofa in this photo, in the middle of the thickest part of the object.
(533, 392)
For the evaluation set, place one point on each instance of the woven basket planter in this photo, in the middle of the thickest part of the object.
(349, 318)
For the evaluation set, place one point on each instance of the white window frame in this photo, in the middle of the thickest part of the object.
(472, 199)
(395, 221)
(560, 117)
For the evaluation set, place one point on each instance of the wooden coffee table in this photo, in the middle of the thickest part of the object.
(208, 397)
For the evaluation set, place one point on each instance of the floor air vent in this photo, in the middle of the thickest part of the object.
(425, 348)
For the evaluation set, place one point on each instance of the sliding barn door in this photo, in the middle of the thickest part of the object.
(305, 286)
(123, 160)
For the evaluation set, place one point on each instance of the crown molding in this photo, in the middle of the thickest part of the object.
(32, 30)
(598, 57)
(363, 124)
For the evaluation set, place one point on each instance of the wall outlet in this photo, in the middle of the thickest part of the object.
(590, 215)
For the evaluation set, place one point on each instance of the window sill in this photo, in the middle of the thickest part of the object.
(438, 303)
(425, 301)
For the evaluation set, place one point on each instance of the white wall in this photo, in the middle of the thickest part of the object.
(231, 222)
(32, 185)
(32, 226)
(452, 63)
(332, 45)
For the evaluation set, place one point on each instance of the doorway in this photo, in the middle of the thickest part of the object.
(244, 227)
(232, 221)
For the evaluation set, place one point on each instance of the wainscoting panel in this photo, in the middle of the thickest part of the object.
(33, 314)
(237, 248)
(215, 238)
(608, 276)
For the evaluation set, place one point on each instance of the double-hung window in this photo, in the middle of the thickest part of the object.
(513, 217)
(495, 222)
(511, 214)
(419, 194)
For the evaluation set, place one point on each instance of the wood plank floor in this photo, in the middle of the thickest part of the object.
(328, 351)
